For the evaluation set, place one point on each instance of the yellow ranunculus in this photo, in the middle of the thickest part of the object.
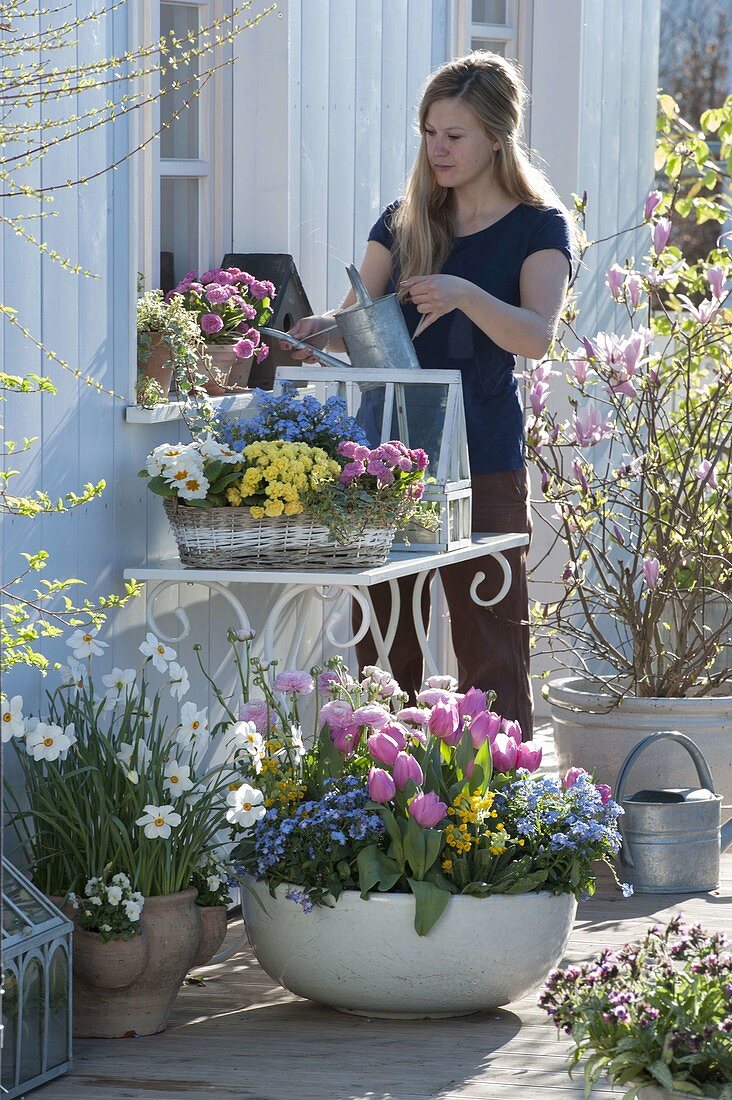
(256, 512)
(233, 496)
(293, 508)
(274, 508)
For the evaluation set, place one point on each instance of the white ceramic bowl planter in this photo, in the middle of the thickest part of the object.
(364, 957)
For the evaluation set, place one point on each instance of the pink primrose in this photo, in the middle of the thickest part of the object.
(217, 294)
(210, 323)
(210, 276)
(262, 353)
(243, 349)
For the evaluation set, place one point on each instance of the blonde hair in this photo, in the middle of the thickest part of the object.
(491, 87)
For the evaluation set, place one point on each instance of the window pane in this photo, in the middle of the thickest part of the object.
(178, 226)
(180, 139)
(488, 44)
(58, 1004)
(488, 11)
(31, 1059)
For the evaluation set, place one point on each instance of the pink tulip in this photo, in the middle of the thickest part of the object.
(528, 756)
(345, 738)
(512, 729)
(397, 733)
(445, 723)
(652, 201)
(427, 810)
(651, 572)
(472, 703)
(484, 727)
(382, 787)
(406, 768)
(383, 748)
(604, 792)
(504, 751)
(571, 777)
(660, 233)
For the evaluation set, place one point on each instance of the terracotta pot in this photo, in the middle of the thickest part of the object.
(171, 932)
(222, 361)
(111, 965)
(159, 364)
(240, 372)
(213, 931)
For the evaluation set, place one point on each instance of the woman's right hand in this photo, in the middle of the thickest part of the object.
(304, 329)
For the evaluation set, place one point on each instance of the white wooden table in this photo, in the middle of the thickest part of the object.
(327, 585)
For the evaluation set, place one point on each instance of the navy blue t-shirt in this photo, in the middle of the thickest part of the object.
(492, 260)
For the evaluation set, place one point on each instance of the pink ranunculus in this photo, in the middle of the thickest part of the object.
(427, 810)
(383, 748)
(345, 738)
(528, 756)
(416, 716)
(484, 727)
(430, 696)
(512, 729)
(504, 751)
(571, 776)
(327, 680)
(243, 349)
(652, 201)
(372, 714)
(406, 768)
(337, 714)
(382, 787)
(651, 572)
(210, 323)
(294, 681)
(604, 792)
(473, 702)
(217, 294)
(257, 711)
(445, 683)
(445, 723)
(660, 233)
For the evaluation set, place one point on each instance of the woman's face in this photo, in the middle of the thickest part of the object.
(458, 148)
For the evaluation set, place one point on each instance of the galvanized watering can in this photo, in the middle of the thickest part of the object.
(374, 333)
(672, 839)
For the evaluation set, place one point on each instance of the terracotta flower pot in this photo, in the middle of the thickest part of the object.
(170, 936)
(223, 359)
(213, 931)
(158, 365)
(240, 372)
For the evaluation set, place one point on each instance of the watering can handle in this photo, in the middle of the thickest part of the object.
(359, 287)
(702, 768)
(321, 356)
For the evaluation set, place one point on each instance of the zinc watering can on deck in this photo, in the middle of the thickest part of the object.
(672, 839)
(374, 332)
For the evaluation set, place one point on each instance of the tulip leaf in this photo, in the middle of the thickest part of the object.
(392, 827)
(376, 869)
(415, 848)
(483, 764)
(430, 903)
(464, 752)
(433, 845)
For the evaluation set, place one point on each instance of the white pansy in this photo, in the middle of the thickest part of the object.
(159, 821)
(213, 882)
(122, 880)
(180, 684)
(246, 736)
(49, 742)
(120, 683)
(95, 899)
(114, 895)
(246, 806)
(132, 910)
(177, 778)
(12, 723)
(160, 654)
(91, 886)
(84, 643)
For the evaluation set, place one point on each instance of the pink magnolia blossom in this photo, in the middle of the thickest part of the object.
(652, 201)
(538, 397)
(717, 278)
(589, 427)
(651, 572)
(293, 681)
(706, 473)
(579, 472)
(427, 810)
(634, 287)
(660, 233)
(406, 768)
(704, 312)
(528, 756)
(504, 751)
(614, 280)
(580, 369)
(382, 787)
(383, 748)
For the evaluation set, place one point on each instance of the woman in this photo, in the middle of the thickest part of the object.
(479, 250)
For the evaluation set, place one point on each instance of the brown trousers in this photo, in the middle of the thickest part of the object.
(491, 643)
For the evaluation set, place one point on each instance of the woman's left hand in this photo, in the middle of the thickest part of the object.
(434, 296)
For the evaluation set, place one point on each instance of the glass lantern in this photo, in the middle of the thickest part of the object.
(422, 409)
(36, 999)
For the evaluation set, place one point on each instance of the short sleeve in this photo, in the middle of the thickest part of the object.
(552, 231)
(382, 231)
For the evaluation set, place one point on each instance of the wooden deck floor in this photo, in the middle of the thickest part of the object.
(241, 1037)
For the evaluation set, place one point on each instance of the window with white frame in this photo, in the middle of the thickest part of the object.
(186, 216)
(488, 25)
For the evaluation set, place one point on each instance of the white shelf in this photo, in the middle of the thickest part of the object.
(173, 410)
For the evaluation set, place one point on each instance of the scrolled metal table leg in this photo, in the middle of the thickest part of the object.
(480, 577)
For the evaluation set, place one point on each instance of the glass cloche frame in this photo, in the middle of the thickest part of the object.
(423, 409)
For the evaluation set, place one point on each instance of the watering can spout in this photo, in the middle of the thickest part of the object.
(727, 835)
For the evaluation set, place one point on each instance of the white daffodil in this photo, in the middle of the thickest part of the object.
(298, 745)
(120, 683)
(159, 821)
(179, 682)
(246, 736)
(11, 717)
(177, 778)
(50, 742)
(84, 643)
(160, 654)
(211, 448)
(74, 673)
(246, 806)
(193, 724)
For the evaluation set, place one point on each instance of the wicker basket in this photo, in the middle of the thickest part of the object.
(229, 538)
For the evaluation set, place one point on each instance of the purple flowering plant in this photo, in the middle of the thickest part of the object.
(436, 799)
(631, 434)
(657, 1012)
(230, 306)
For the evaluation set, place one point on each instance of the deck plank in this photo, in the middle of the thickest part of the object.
(241, 1037)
